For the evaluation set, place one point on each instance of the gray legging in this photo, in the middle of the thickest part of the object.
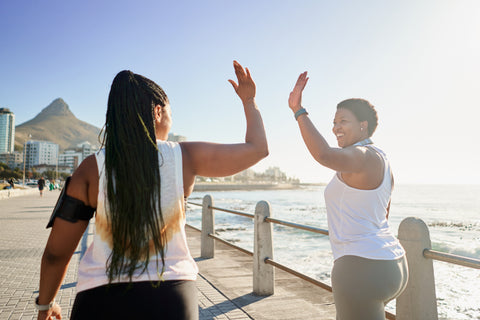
(362, 287)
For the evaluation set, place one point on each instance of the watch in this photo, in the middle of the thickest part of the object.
(43, 307)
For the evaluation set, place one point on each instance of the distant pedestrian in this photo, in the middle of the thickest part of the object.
(51, 186)
(139, 265)
(370, 266)
(11, 183)
(41, 185)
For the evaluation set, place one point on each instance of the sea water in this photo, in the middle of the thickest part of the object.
(452, 213)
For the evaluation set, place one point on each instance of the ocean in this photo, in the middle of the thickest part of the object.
(452, 213)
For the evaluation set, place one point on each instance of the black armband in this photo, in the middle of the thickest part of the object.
(69, 208)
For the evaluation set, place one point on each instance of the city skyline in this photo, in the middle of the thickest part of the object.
(37, 155)
(417, 62)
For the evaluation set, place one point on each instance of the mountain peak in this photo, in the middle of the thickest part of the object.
(56, 123)
(56, 107)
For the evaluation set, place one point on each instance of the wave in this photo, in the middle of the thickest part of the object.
(460, 226)
(230, 229)
(453, 224)
(466, 252)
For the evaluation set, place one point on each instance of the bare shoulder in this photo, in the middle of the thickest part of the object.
(84, 183)
(87, 170)
(187, 168)
(358, 154)
(186, 152)
(193, 152)
(373, 157)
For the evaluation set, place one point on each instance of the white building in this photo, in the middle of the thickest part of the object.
(41, 168)
(86, 149)
(7, 130)
(73, 157)
(275, 174)
(70, 158)
(244, 176)
(176, 137)
(13, 159)
(40, 152)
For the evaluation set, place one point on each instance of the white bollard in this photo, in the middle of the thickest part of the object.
(208, 222)
(263, 274)
(418, 301)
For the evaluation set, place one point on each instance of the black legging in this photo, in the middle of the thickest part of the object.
(138, 300)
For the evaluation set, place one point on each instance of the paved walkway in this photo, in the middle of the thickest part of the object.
(224, 284)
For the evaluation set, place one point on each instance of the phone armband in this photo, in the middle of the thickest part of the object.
(69, 208)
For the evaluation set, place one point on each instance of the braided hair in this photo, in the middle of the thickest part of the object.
(133, 175)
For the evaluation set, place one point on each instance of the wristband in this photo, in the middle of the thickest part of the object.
(43, 307)
(300, 112)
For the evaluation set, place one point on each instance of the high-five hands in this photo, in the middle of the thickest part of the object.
(295, 98)
(245, 88)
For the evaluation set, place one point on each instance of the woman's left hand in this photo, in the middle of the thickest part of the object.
(50, 314)
(295, 98)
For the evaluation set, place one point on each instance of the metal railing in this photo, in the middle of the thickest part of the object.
(418, 301)
(297, 226)
(265, 286)
(268, 260)
(452, 258)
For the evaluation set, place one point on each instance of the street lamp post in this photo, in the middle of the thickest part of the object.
(24, 157)
(56, 169)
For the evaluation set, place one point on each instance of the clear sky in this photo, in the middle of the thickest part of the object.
(418, 62)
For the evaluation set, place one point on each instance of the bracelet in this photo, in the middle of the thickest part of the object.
(43, 307)
(300, 112)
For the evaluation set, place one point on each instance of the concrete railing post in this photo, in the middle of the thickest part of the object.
(208, 222)
(263, 274)
(418, 301)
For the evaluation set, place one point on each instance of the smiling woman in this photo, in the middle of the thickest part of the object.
(354, 115)
(370, 267)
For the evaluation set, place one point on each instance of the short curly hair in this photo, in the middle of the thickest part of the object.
(363, 111)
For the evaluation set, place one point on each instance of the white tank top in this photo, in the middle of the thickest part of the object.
(357, 222)
(179, 264)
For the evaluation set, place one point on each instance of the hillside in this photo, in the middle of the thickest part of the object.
(58, 124)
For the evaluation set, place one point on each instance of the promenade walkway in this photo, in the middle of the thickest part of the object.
(224, 283)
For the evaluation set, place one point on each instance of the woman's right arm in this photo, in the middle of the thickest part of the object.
(219, 160)
(338, 159)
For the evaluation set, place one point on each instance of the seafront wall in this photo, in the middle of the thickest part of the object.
(5, 194)
(9, 193)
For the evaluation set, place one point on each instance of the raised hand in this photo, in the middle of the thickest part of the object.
(245, 88)
(295, 98)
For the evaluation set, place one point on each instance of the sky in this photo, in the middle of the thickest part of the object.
(417, 62)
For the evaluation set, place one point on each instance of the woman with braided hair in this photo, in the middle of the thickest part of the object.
(139, 265)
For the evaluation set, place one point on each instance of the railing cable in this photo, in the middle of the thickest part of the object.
(452, 258)
(298, 274)
(230, 244)
(244, 214)
(297, 226)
